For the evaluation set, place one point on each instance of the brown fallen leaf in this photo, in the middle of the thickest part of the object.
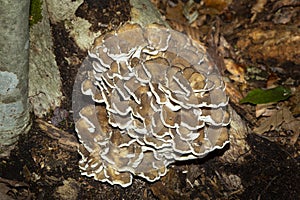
(272, 80)
(294, 138)
(283, 117)
(285, 3)
(257, 8)
(237, 71)
(295, 101)
(217, 6)
(11, 189)
(279, 43)
(175, 13)
(234, 93)
(265, 110)
(190, 11)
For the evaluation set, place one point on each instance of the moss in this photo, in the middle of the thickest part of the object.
(35, 12)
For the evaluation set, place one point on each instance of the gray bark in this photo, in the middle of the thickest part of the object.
(14, 42)
(44, 78)
(144, 13)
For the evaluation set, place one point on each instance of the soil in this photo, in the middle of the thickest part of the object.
(44, 165)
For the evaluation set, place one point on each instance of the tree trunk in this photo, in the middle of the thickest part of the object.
(14, 52)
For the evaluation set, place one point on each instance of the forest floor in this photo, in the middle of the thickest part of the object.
(256, 44)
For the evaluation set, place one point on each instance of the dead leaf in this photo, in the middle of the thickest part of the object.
(233, 92)
(217, 6)
(11, 189)
(294, 138)
(265, 110)
(285, 3)
(279, 43)
(283, 117)
(257, 8)
(175, 13)
(272, 80)
(270, 123)
(295, 101)
(190, 11)
(4, 190)
(237, 71)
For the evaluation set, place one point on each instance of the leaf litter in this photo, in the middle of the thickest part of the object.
(268, 171)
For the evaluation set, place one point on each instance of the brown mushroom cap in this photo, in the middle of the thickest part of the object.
(158, 98)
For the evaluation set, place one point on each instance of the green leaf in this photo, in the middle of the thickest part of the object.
(260, 96)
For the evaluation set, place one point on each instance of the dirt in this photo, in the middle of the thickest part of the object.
(44, 165)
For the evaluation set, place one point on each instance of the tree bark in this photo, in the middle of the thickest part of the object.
(44, 78)
(144, 13)
(14, 53)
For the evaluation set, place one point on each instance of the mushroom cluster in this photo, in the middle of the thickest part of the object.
(157, 98)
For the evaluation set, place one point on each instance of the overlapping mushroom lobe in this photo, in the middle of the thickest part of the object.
(155, 97)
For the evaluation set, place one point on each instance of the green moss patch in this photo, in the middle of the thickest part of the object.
(35, 14)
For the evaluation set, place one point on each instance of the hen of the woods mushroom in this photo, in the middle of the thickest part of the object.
(147, 97)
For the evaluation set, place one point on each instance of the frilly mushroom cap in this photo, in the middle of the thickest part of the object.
(155, 97)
